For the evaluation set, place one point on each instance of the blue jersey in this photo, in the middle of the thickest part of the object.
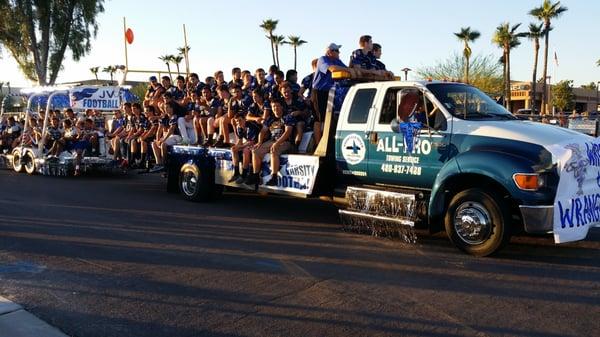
(277, 126)
(322, 79)
(119, 123)
(295, 88)
(173, 122)
(250, 132)
(362, 60)
(256, 110)
(379, 65)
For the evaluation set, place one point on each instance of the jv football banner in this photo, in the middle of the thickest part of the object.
(98, 98)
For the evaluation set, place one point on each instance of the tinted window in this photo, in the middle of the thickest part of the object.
(362, 103)
(388, 110)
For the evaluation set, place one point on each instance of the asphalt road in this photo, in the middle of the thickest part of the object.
(118, 256)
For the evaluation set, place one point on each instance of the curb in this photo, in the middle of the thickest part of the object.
(16, 322)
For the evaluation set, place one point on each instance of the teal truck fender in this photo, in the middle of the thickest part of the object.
(489, 169)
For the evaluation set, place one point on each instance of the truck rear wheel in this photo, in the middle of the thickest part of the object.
(196, 185)
(16, 161)
(29, 163)
(477, 222)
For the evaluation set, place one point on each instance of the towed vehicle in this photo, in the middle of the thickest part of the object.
(428, 154)
(32, 158)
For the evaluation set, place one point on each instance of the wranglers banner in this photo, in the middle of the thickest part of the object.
(94, 97)
(577, 202)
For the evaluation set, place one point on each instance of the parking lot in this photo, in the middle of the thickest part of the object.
(118, 256)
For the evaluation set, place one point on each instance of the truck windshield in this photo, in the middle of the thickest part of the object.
(467, 102)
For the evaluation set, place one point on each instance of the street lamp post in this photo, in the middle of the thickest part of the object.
(548, 93)
(406, 70)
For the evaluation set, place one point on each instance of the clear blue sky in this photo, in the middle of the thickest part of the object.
(224, 34)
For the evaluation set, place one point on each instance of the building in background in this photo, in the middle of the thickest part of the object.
(585, 99)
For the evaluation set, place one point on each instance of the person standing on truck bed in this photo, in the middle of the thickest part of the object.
(363, 57)
(378, 65)
(322, 82)
(279, 128)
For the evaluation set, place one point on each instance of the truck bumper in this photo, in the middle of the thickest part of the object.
(537, 219)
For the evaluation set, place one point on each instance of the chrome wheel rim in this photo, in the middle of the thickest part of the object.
(189, 183)
(29, 164)
(472, 222)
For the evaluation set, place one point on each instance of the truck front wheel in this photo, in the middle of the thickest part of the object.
(477, 222)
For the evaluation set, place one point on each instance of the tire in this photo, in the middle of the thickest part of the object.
(196, 185)
(477, 222)
(16, 162)
(29, 163)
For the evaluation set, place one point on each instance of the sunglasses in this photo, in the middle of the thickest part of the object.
(335, 50)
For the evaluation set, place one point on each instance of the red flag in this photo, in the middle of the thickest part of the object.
(129, 36)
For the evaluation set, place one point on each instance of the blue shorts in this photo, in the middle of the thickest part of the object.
(82, 145)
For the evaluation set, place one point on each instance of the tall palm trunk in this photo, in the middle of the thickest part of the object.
(467, 56)
(545, 71)
(277, 54)
(273, 49)
(504, 75)
(169, 69)
(508, 92)
(178, 72)
(536, 49)
(295, 57)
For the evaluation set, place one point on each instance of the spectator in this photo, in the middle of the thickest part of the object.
(295, 109)
(236, 75)
(322, 82)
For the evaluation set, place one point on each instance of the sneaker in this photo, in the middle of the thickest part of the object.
(219, 143)
(157, 168)
(251, 180)
(240, 180)
(235, 177)
(272, 181)
(124, 163)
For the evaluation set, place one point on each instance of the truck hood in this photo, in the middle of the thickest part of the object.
(544, 135)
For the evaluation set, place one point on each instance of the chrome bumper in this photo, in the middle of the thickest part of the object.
(537, 219)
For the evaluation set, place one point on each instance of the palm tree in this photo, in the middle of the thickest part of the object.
(534, 34)
(181, 50)
(94, 71)
(546, 13)
(177, 60)
(269, 26)
(507, 38)
(167, 60)
(467, 35)
(598, 63)
(278, 40)
(295, 42)
(111, 70)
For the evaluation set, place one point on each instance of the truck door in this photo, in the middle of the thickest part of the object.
(411, 157)
(352, 137)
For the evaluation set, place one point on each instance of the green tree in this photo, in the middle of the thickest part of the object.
(295, 42)
(507, 38)
(562, 95)
(167, 59)
(546, 13)
(139, 90)
(269, 26)
(94, 71)
(467, 35)
(37, 33)
(598, 63)
(590, 86)
(485, 72)
(534, 34)
(278, 40)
